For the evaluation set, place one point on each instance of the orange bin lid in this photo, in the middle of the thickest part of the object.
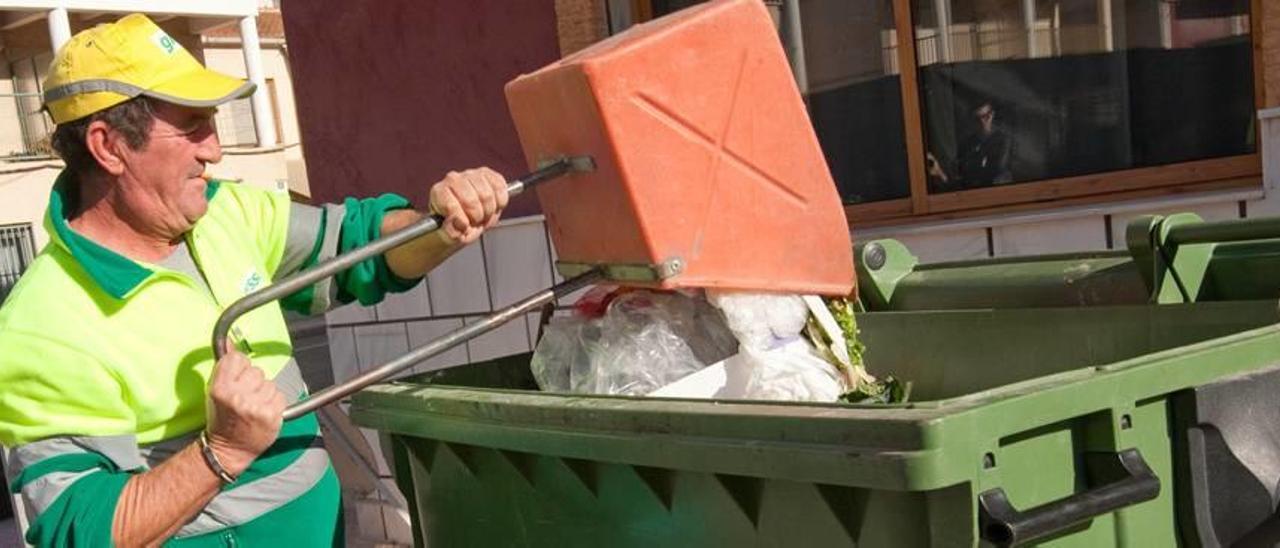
(708, 173)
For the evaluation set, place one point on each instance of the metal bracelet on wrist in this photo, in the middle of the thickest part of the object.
(213, 462)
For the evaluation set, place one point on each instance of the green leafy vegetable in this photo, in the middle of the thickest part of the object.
(863, 386)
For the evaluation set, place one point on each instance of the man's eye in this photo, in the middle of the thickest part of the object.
(195, 125)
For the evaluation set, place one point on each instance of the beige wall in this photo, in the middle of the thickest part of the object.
(230, 60)
(24, 195)
(10, 128)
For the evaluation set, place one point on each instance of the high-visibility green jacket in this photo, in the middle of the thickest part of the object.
(105, 361)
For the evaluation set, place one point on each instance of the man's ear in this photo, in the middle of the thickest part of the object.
(105, 146)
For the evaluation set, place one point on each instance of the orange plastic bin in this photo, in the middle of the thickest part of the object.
(708, 171)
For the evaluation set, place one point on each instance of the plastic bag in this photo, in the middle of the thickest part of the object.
(776, 362)
(644, 341)
(792, 372)
(761, 321)
(564, 347)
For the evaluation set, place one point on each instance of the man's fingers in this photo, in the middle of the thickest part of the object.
(470, 202)
(488, 202)
(466, 195)
(499, 185)
(445, 204)
(230, 367)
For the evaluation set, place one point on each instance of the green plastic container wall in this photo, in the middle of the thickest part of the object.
(1062, 413)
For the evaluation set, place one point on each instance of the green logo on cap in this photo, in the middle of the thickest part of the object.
(166, 42)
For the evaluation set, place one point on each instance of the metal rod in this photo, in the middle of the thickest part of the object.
(292, 284)
(1226, 231)
(454, 338)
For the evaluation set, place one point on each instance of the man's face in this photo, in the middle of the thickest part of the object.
(164, 177)
(986, 117)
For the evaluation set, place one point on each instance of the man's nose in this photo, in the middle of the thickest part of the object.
(209, 149)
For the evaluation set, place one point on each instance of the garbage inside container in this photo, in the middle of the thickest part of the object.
(757, 346)
(642, 341)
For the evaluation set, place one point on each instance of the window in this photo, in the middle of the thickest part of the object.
(1000, 104)
(36, 127)
(1043, 89)
(17, 249)
(234, 120)
(854, 95)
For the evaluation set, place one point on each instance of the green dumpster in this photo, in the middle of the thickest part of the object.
(1114, 399)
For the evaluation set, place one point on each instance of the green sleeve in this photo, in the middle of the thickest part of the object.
(83, 514)
(370, 280)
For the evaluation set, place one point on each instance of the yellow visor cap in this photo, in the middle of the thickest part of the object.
(114, 62)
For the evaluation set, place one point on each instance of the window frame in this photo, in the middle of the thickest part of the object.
(1214, 174)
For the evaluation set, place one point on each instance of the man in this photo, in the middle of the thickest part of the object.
(984, 156)
(120, 426)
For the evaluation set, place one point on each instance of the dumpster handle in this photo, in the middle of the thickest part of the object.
(1003, 525)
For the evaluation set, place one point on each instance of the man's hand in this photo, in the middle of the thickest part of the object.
(470, 201)
(935, 169)
(244, 411)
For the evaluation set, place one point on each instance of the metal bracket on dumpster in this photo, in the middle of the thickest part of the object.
(636, 273)
(881, 264)
(1174, 269)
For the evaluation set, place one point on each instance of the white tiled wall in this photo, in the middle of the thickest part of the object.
(380, 343)
(412, 304)
(461, 284)
(513, 261)
(960, 245)
(516, 259)
(342, 352)
(1059, 236)
(423, 332)
(512, 338)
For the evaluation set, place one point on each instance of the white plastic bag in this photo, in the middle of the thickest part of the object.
(761, 321)
(645, 340)
(775, 361)
(792, 372)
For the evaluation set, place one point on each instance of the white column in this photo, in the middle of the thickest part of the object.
(943, 10)
(59, 27)
(1029, 21)
(1166, 25)
(1056, 29)
(1239, 25)
(1104, 26)
(264, 122)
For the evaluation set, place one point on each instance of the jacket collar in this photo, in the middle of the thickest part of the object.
(116, 274)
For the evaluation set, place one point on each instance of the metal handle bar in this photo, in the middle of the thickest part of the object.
(296, 282)
(453, 338)
(1226, 231)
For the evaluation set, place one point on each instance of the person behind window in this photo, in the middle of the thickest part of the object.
(983, 157)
